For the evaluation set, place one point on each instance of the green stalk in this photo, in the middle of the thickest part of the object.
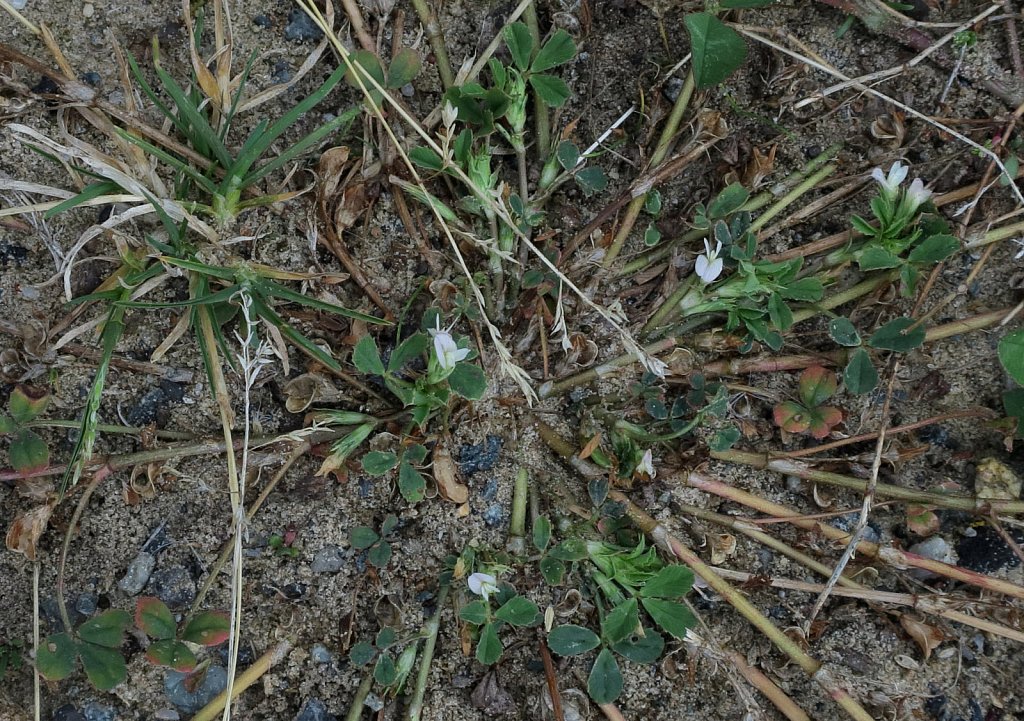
(687, 294)
(786, 200)
(355, 711)
(516, 543)
(245, 679)
(415, 708)
(433, 31)
(541, 113)
(552, 388)
(668, 133)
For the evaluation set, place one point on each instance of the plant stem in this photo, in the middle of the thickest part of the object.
(668, 133)
(433, 31)
(111, 428)
(66, 545)
(766, 686)
(517, 524)
(789, 198)
(355, 711)
(415, 708)
(542, 119)
(552, 388)
(246, 679)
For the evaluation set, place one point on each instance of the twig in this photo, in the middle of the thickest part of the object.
(433, 31)
(516, 543)
(766, 686)
(1013, 39)
(552, 680)
(246, 679)
(355, 17)
(37, 704)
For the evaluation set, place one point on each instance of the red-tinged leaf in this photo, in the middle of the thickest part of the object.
(208, 629)
(922, 520)
(27, 402)
(822, 421)
(171, 653)
(153, 617)
(792, 417)
(817, 385)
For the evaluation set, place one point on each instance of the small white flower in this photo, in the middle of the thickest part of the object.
(445, 348)
(891, 183)
(646, 465)
(483, 584)
(709, 265)
(917, 194)
(449, 114)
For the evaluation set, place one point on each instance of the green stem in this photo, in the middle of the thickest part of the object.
(415, 708)
(111, 428)
(542, 118)
(688, 290)
(786, 200)
(552, 388)
(668, 133)
(355, 711)
(517, 524)
(433, 31)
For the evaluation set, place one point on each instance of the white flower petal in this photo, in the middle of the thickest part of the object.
(482, 584)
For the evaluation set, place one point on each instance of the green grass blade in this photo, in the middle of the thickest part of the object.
(221, 296)
(286, 121)
(153, 97)
(93, 190)
(296, 338)
(200, 268)
(176, 163)
(197, 129)
(345, 119)
(269, 287)
(238, 95)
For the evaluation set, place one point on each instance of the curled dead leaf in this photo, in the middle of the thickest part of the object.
(927, 637)
(723, 545)
(27, 528)
(446, 475)
(890, 128)
(760, 167)
(309, 388)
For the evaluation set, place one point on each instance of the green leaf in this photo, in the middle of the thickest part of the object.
(28, 452)
(488, 648)
(552, 90)
(860, 375)
(426, 158)
(410, 348)
(7, 425)
(792, 417)
(571, 549)
(875, 258)
(641, 649)
(416, 453)
(674, 618)
(572, 640)
(384, 672)
(591, 180)
(894, 336)
(652, 203)
(728, 201)
(568, 155)
(1013, 403)
(559, 49)
(474, 612)
(366, 357)
(105, 667)
(361, 653)
(805, 289)
(379, 555)
(404, 67)
(56, 657)
(171, 653)
(730, 4)
(468, 380)
(518, 611)
(934, 249)
(386, 637)
(724, 439)
(389, 524)
(106, 629)
(410, 483)
(717, 49)
(672, 581)
(520, 44)
(552, 570)
(652, 236)
(541, 532)
(817, 385)
(1011, 355)
(377, 463)
(26, 403)
(93, 190)
(362, 537)
(843, 332)
(621, 622)
(370, 64)
(154, 618)
(605, 682)
(779, 313)
(208, 628)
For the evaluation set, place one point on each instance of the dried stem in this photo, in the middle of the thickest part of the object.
(246, 679)
(433, 31)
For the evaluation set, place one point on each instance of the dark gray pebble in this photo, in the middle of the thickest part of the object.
(314, 710)
(97, 712)
(301, 28)
(329, 559)
(479, 456)
(67, 712)
(986, 551)
(214, 681)
(174, 586)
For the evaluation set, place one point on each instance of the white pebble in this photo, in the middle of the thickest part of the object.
(88, 10)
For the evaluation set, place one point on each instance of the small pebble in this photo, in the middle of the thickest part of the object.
(671, 89)
(88, 10)
(494, 515)
(86, 604)
(282, 72)
(329, 559)
(166, 714)
(300, 27)
(321, 654)
(408, 90)
(479, 456)
(174, 586)
(937, 549)
(178, 693)
(67, 712)
(18, 4)
(490, 491)
(314, 710)
(96, 712)
(138, 573)
(262, 21)
(374, 702)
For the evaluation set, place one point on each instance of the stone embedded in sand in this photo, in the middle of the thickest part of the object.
(996, 480)
(138, 573)
(329, 559)
(314, 710)
(213, 682)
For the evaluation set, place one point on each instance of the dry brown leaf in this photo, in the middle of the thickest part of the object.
(36, 488)
(27, 528)
(723, 545)
(591, 446)
(760, 167)
(446, 475)
(927, 637)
